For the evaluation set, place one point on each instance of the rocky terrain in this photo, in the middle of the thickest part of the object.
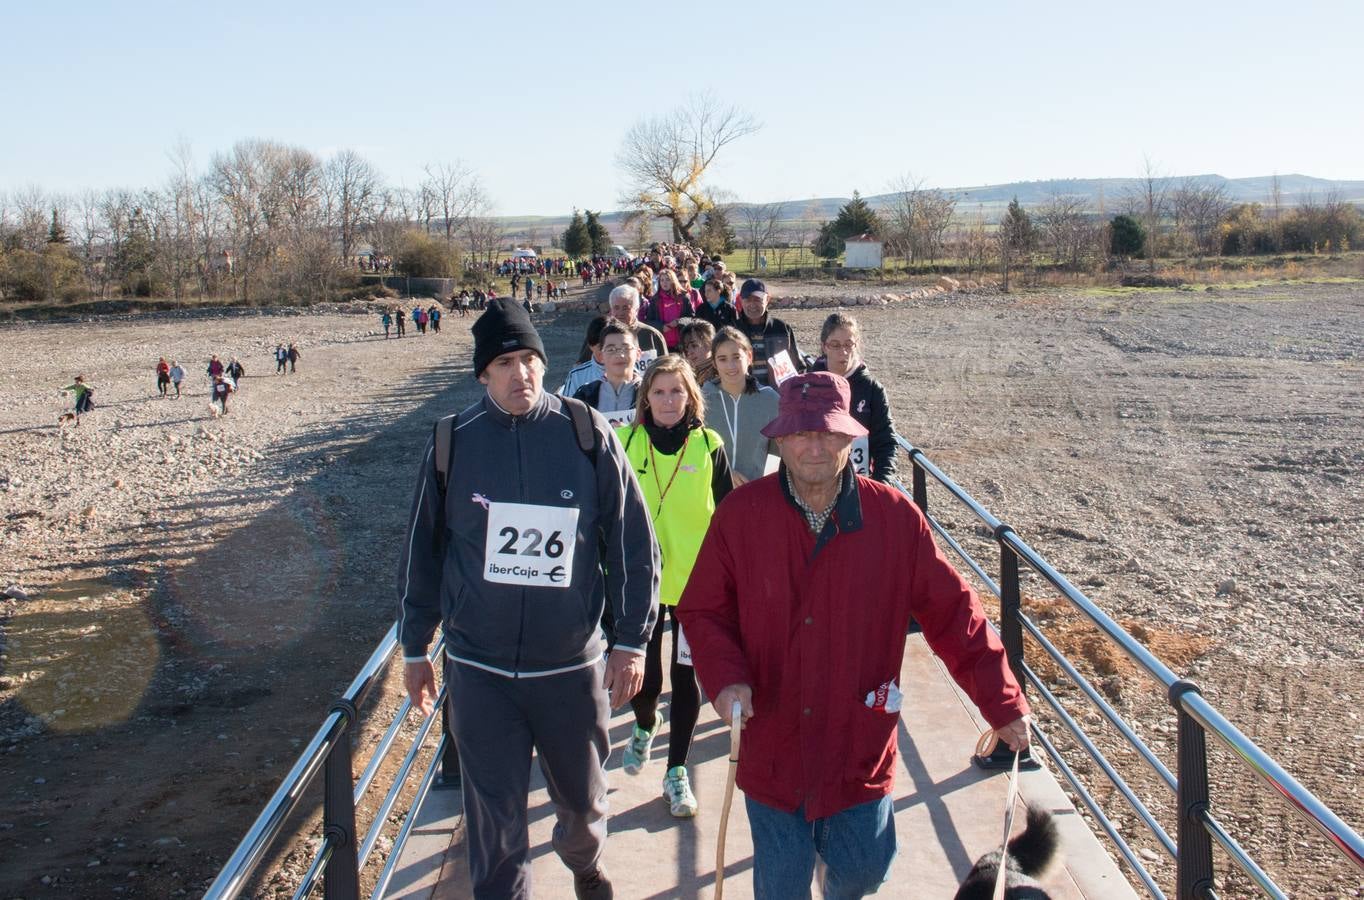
(192, 591)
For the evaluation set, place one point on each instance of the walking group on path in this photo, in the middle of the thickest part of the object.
(423, 319)
(695, 472)
(224, 380)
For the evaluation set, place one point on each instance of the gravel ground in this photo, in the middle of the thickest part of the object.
(201, 588)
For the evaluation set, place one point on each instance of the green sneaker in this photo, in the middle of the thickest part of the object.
(677, 791)
(638, 747)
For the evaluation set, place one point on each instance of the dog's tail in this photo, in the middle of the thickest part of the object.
(1035, 848)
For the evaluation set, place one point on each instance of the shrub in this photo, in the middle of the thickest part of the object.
(422, 255)
(53, 273)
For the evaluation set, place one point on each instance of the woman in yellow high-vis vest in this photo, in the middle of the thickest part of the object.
(683, 473)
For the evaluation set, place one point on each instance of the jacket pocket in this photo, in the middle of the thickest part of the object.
(872, 735)
(457, 604)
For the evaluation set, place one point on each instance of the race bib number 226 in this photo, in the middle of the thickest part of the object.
(530, 545)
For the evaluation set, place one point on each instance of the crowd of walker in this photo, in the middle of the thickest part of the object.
(224, 380)
(697, 475)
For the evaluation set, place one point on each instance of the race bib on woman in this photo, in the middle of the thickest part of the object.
(530, 545)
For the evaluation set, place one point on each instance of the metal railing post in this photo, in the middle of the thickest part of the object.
(342, 874)
(1193, 879)
(1010, 604)
(920, 487)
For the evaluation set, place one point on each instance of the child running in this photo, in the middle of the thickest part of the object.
(84, 397)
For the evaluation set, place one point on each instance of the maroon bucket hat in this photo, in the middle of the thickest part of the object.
(815, 401)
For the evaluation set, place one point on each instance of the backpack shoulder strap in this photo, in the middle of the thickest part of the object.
(445, 449)
(581, 414)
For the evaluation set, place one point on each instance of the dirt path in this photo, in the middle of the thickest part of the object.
(205, 586)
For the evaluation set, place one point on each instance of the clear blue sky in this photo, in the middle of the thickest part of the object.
(850, 95)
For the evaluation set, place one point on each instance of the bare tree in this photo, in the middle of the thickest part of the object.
(759, 224)
(212, 253)
(1276, 211)
(918, 220)
(32, 213)
(485, 237)
(1065, 229)
(90, 241)
(1198, 207)
(116, 211)
(390, 216)
(456, 193)
(665, 160)
(244, 181)
(1149, 200)
(352, 186)
(975, 244)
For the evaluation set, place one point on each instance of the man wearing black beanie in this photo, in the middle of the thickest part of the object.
(516, 544)
(503, 328)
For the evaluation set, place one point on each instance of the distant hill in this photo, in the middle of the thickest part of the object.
(990, 199)
(1295, 189)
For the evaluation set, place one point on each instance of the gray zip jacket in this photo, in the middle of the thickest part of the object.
(748, 449)
(515, 629)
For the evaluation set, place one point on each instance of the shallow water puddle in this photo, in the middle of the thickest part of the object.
(81, 655)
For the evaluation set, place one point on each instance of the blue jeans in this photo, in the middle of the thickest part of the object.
(857, 846)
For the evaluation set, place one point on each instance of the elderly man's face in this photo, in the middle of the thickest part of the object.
(623, 309)
(815, 457)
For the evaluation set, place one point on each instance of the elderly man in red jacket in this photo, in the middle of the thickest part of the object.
(797, 609)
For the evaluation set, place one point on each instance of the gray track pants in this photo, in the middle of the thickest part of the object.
(497, 721)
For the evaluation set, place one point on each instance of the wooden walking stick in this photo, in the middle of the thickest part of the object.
(736, 721)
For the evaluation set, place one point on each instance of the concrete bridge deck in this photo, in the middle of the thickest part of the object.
(948, 813)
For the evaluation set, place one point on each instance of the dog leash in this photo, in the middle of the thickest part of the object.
(1009, 805)
(736, 722)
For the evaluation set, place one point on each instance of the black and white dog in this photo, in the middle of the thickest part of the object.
(1029, 855)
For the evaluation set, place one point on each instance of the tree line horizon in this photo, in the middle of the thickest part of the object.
(267, 222)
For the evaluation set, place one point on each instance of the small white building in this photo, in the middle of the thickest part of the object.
(862, 253)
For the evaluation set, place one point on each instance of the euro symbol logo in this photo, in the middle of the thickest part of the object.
(556, 574)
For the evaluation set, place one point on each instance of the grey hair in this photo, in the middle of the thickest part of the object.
(624, 290)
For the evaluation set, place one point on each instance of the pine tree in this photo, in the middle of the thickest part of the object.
(1018, 228)
(597, 235)
(856, 218)
(576, 241)
(717, 235)
(56, 234)
(1126, 237)
(829, 244)
(135, 257)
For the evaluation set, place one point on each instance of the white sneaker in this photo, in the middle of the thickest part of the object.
(638, 748)
(677, 791)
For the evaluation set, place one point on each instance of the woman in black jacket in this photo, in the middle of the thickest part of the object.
(840, 340)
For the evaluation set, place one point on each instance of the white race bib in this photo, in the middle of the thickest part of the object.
(530, 545)
(781, 366)
(619, 417)
(861, 455)
(683, 648)
(645, 357)
(771, 464)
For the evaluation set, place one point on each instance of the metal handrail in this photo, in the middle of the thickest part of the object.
(1317, 814)
(1184, 696)
(329, 748)
(252, 848)
(423, 789)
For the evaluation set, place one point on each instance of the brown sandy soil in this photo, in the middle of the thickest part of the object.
(202, 588)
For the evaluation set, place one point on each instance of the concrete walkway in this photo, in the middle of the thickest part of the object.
(948, 813)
